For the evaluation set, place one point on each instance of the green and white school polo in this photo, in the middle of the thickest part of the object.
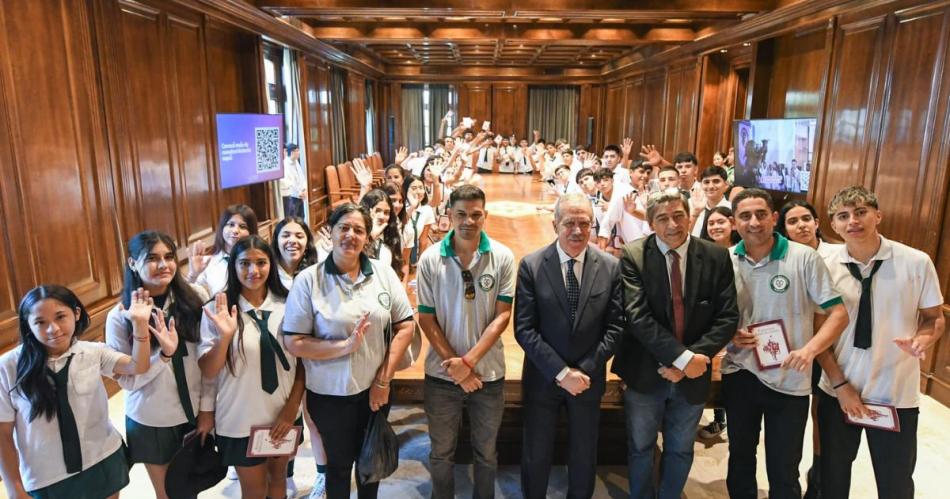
(787, 284)
(441, 292)
(326, 304)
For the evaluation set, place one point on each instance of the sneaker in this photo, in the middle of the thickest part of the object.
(291, 488)
(712, 430)
(319, 487)
(232, 473)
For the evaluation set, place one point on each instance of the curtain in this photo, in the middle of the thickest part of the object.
(338, 112)
(412, 119)
(293, 120)
(553, 111)
(438, 106)
(370, 119)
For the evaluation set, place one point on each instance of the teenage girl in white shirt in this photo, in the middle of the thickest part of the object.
(208, 267)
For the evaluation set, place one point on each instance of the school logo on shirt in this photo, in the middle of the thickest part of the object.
(779, 283)
(486, 282)
(384, 300)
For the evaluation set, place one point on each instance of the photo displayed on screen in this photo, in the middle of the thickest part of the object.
(250, 148)
(774, 154)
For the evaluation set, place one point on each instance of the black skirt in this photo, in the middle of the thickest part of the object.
(103, 479)
(154, 444)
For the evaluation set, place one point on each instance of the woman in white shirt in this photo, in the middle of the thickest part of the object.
(292, 242)
(385, 242)
(419, 217)
(162, 405)
(337, 316)
(56, 440)
(209, 268)
(258, 382)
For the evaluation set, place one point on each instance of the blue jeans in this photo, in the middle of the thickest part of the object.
(648, 413)
(444, 403)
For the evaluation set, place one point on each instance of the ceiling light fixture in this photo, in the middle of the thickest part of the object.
(747, 44)
(723, 51)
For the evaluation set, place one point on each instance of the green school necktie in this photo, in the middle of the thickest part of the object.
(181, 380)
(269, 349)
(862, 326)
(68, 432)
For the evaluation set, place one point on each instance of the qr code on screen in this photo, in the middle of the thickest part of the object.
(267, 147)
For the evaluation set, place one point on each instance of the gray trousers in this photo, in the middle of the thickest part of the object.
(444, 402)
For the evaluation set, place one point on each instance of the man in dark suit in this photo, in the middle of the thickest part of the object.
(568, 318)
(680, 306)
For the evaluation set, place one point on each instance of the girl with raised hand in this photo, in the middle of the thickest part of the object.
(56, 440)
(293, 244)
(162, 405)
(419, 216)
(385, 241)
(208, 267)
(258, 382)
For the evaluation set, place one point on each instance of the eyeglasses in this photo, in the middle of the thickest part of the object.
(469, 284)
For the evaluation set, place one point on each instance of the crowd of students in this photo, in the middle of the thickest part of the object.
(311, 329)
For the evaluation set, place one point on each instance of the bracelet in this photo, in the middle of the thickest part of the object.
(467, 364)
(137, 338)
(380, 384)
(162, 353)
(839, 385)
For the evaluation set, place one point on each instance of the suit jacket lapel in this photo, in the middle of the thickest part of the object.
(552, 268)
(588, 276)
(657, 277)
(694, 269)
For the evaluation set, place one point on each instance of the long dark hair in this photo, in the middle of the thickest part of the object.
(250, 218)
(783, 213)
(309, 251)
(391, 236)
(405, 191)
(31, 379)
(726, 212)
(233, 291)
(186, 305)
(393, 189)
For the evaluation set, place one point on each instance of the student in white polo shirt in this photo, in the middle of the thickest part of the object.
(337, 316)
(162, 405)
(895, 318)
(56, 440)
(465, 293)
(712, 195)
(775, 279)
(258, 383)
(208, 268)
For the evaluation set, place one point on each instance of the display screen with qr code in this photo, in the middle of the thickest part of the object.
(250, 148)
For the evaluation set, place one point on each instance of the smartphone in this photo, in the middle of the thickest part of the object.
(467, 122)
(486, 125)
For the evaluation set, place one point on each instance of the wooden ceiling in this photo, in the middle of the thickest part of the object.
(510, 33)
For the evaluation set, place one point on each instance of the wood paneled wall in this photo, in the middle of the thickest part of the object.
(355, 114)
(509, 109)
(874, 77)
(107, 128)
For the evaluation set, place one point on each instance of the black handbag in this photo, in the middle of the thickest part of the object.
(379, 455)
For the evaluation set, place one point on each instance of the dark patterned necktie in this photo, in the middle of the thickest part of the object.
(269, 349)
(862, 326)
(68, 432)
(573, 289)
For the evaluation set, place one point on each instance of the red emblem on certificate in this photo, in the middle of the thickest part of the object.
(261, 445)
(882, 417)
(771, 348)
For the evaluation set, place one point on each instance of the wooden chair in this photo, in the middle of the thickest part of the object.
(337, 194)
(347, 177)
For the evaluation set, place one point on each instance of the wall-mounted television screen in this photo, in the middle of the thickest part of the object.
(250, 148)
(774, 154)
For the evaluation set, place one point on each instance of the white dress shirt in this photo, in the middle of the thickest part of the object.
(578, 272)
